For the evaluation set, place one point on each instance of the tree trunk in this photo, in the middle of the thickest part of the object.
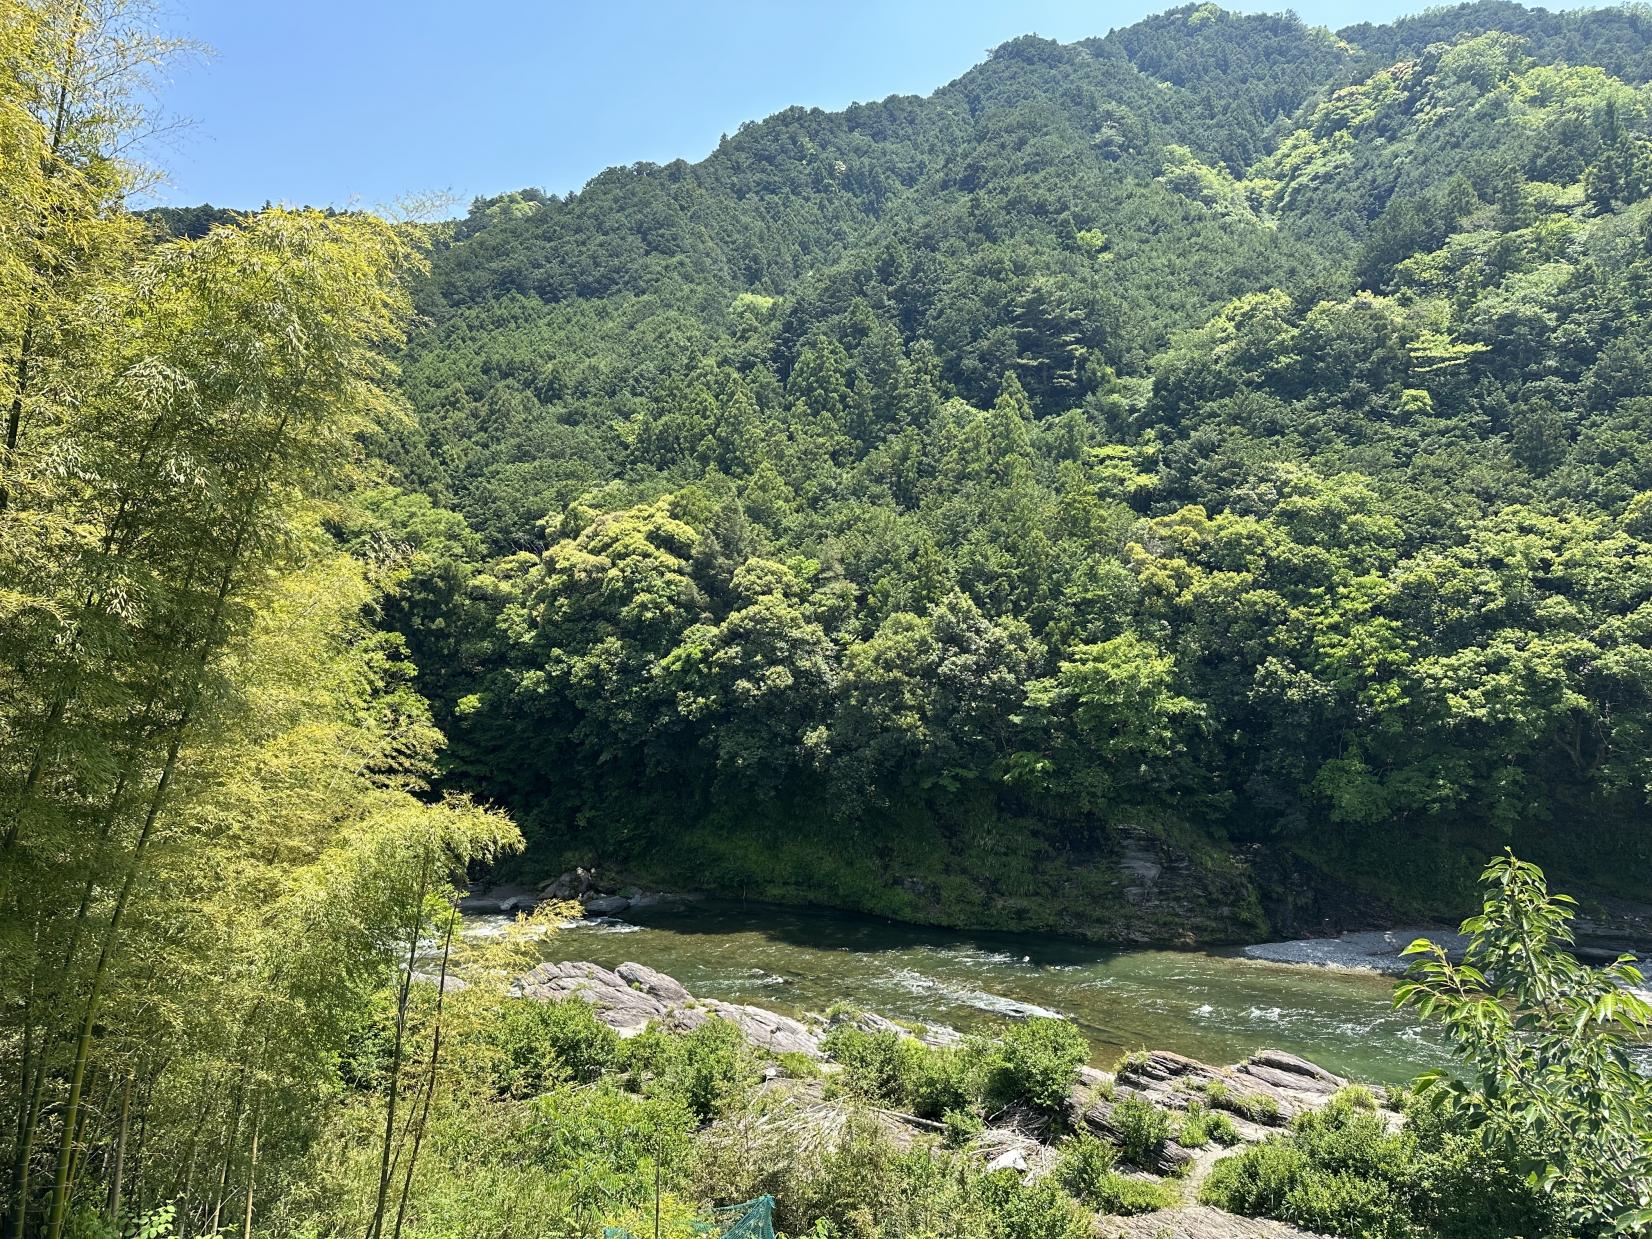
(375, 1228)
(252, 1173)
(430, 1080)
(118, 1162)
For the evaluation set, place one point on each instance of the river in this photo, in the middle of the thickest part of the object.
(1212, 1006)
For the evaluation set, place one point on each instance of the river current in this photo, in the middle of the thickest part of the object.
(1213, 1006)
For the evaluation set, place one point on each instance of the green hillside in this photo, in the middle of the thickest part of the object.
(1223, 433)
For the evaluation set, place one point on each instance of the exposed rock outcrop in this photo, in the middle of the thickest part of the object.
(1261, 1094)
(938, 1036)
(581, 886)
(631, 997)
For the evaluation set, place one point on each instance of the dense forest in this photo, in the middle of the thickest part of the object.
(1219, 451)
(1224, 441)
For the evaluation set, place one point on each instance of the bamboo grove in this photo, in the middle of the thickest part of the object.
(213, 827)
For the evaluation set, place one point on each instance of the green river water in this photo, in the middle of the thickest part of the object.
(1212, 1006)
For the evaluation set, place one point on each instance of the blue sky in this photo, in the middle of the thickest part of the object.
(364, 101)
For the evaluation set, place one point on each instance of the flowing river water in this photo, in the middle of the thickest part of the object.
(1213, 1006)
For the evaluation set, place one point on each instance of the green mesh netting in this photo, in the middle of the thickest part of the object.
(754, 1219)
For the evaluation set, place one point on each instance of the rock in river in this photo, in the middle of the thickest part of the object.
(633, 996)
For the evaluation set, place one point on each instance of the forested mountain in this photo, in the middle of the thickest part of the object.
(1224, 437)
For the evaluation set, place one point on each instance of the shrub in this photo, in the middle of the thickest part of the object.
(1201, 1125)
(1258, 1181)
(858, 1184)
(960, 1127)
(943, 1080)
(1123, 1196)
(1346, 1204)
(1013, 1210)
(1142, 1130)
(1466, 1185)
(707, 1069)
(1086, 1161)
(1346, 1138)
(1340, 1171)
(539, 1043)
(877, 1067)
(1035, 1062)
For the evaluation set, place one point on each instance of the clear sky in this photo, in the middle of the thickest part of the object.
(334, 102)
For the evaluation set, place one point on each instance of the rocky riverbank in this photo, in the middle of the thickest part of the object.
(1260, 1095)
(1375, 950)
(595, 896)
(1382, 950)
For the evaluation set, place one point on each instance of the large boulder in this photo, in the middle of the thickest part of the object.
(626, 1010)
(631, 997)
(654, 983)
(936, 1036)
(768, 1030)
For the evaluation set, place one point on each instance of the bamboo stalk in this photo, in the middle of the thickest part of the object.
(376, 1226)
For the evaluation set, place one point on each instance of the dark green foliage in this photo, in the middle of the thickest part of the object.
(1223, 431)
(707, 1069)
(1086, 1166)
(1340, 1172)
(891, 1069)
(878, 1067)
(961, 1126)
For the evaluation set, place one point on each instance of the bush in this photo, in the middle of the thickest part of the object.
(877, 1067)
(858, 1184)
(707, 1069)
(1340, 1172)
(1086, 1162)
(541, 1043)
(1142, 1129)
(943, 1080)
(1201, 1125)
(1123, 1196)
(1258, 1181)
(1034, 1062)
(1347, 1204)
(1013, 1210)
(1347, 1137)
(889, 1069)
(1467, 1186)
(960, 1127)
